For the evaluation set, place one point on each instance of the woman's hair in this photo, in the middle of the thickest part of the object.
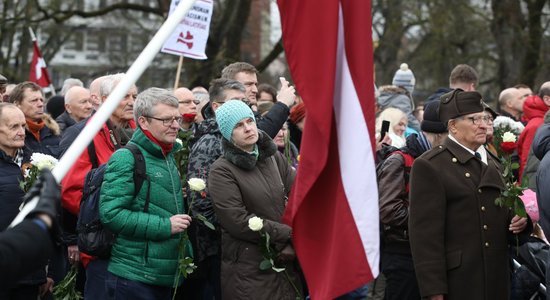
(394, 115)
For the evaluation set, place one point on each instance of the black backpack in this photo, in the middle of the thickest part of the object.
(92, 238)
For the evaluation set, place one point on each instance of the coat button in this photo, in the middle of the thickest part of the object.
(479, 191)
(485, 227)
(440, 147)
(467, 174)
(454, 159)
(483, 208)
(486, 245)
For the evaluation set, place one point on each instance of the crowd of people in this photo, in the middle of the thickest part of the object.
(149, 222)
(438, 171)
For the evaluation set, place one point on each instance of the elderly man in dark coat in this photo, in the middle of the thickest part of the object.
(458, 236)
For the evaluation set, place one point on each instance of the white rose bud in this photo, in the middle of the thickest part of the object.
(509, 137)
(255, 223)
(179, 141)
(196, 184)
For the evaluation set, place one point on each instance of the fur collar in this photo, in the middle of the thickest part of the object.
(247, 161)
(51, 124)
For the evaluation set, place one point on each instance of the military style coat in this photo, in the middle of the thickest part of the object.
(459, 237)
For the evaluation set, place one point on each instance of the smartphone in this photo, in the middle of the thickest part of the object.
(385, 128)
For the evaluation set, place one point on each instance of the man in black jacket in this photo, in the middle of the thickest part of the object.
(28, 246)
(273, 120)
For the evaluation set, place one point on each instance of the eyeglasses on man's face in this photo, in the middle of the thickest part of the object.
(167, 121)
(478, 120)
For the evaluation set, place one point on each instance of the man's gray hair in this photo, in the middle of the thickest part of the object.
(69, 83)
(148, 99)
(108, 84)
(71, 94)
(220, 85)
(201, 96)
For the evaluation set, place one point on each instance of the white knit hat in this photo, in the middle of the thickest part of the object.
(404, 77)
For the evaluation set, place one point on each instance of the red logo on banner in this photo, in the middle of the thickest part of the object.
(187, 40)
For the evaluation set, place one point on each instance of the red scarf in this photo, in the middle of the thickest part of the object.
(164, 146)
(35, 127)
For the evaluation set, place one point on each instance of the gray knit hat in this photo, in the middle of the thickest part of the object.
(404, 77)
(231, 113)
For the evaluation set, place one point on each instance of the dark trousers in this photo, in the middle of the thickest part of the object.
(400, 277)
(119, 288)
(96, 275)
(20, 292)
(204, 283)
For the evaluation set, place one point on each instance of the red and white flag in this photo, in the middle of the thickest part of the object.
(38, 73)
(333, 208)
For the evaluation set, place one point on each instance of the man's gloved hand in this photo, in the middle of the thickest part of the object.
(49, 201)
(287, 254)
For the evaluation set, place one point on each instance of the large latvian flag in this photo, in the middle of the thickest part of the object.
(333, 208)
(38, 73)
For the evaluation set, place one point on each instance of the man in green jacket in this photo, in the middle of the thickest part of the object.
(144, 258)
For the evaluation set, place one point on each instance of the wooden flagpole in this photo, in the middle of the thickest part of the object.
(178, 72)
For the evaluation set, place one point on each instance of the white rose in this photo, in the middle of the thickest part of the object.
(179, 141)
(503, 122)
(509, 137)
(42, 161)
(255, 223)
(196, 184)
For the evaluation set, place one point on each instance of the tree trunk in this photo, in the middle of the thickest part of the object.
(531, 63)
(385, 54)
(507, 27)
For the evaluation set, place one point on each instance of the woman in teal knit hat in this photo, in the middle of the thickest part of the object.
(252, 179)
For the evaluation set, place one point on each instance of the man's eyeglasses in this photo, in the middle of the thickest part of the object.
(168, 121)
(197, 102)
(478, 120)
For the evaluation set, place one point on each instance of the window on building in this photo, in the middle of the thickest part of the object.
(117, 42)
(75, 42)
(95, 41)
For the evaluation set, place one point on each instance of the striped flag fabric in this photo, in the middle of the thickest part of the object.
(333, 208)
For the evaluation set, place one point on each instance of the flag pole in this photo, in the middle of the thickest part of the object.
(52, 89)
(31, 32)
(109, 106)
(178, 72)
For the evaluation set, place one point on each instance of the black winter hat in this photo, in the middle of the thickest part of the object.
(55, 106)
(431, 122)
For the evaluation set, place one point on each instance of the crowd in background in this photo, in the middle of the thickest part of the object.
(438, 171)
